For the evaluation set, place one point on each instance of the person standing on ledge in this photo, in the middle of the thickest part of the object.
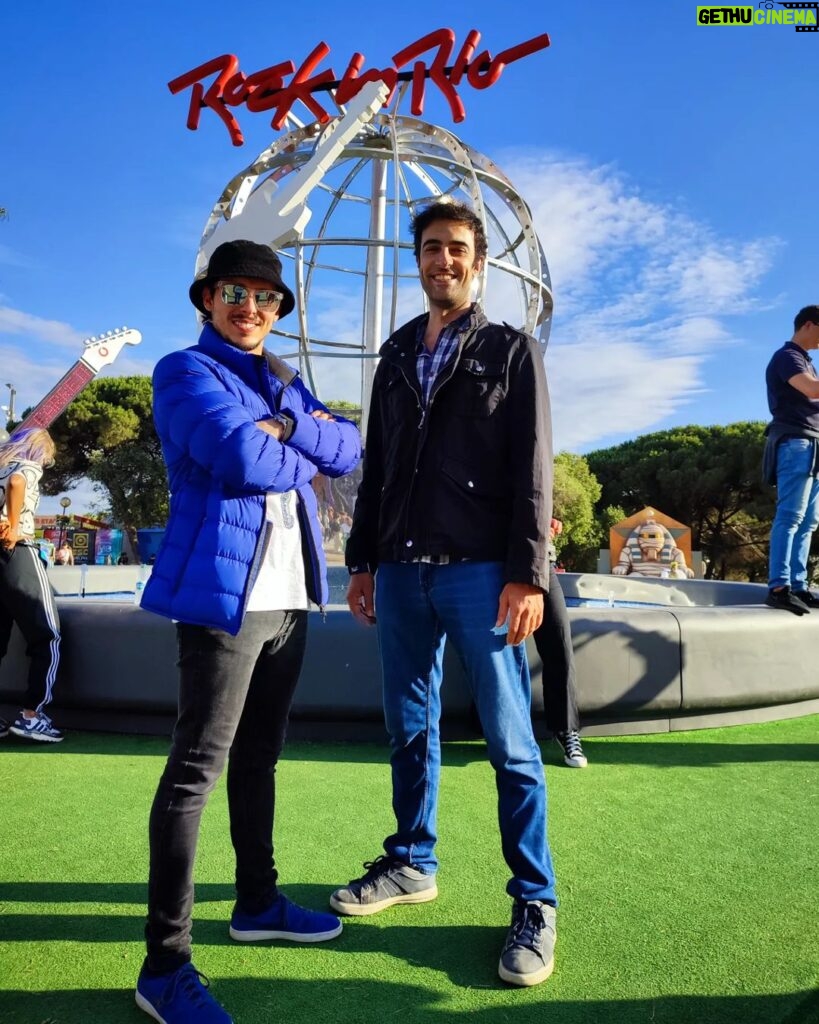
(453, 513)
(26, 596)
(791, 462)
(240, 561)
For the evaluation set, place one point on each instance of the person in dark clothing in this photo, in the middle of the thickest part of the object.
(449, 536)
(553, 641)
(791, 461)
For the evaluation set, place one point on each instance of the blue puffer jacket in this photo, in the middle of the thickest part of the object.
(220, 467)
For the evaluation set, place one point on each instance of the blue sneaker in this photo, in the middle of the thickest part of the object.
(284, 920)
(179, 998)
(39, 728)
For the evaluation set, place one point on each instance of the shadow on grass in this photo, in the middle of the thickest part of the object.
(465, 954)
(103, 892)
(256, 1001)
(440, 948)
(115, 745)
(670, 752)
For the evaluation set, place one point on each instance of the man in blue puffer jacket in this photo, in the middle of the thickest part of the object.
(239, 564)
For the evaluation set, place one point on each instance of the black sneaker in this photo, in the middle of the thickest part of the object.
(573, 755)
(806, 597)
(528, 955)
(387, 881)
(783, 598)
(5, 728)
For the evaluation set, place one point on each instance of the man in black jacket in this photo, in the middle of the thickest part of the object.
(453, 512)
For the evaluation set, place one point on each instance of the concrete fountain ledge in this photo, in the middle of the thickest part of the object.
(699, 654)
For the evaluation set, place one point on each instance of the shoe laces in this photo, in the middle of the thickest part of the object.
(190, 983)
(528, 922)
(380, 866)
(571, 743)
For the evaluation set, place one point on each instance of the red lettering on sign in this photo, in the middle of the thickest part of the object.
(268, 89)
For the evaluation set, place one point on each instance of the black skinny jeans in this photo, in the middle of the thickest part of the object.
(235, 694)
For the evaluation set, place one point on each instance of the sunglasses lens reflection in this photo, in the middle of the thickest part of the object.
(237, 295)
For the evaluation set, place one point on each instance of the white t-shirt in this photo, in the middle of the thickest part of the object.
(31, 472)
(281, 583)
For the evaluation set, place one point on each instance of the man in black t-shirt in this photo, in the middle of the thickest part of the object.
(792, 463)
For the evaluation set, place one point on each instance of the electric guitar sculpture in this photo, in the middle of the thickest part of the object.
(99, 351)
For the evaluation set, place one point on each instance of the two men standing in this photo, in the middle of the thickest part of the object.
(453, 515)
(451, 533)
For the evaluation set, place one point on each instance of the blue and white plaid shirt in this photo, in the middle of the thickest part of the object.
(429, 364)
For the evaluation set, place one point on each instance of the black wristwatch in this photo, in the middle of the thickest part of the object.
(287, 422)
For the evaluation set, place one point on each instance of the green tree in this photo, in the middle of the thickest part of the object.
(576, 491)
(349, 410)
(107, 435)
(706, 477)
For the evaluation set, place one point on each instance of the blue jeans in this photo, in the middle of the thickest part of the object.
(797, 514)
(418, 606)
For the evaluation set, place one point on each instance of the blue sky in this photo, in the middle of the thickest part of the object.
(670, 169)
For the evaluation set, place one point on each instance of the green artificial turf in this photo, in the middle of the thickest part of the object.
(687, 873)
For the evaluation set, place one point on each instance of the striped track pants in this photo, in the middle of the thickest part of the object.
(26, 598)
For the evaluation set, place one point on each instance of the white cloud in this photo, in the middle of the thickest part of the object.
(627, 393)
(643, 296)
(15, 321)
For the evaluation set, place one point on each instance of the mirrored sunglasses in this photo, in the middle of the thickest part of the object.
(237, 295)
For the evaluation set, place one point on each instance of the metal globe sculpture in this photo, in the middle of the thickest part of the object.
(352, 262)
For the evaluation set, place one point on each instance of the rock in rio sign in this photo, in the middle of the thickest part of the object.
(267, 89)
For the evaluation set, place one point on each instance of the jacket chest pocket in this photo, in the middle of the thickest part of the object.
(399, 404)
(478, 387)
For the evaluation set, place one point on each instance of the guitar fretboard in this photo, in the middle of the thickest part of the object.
(60, 396)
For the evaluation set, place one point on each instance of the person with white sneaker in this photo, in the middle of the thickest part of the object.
(449, 539)
(239, 564)
(553, 641)
(26, 596)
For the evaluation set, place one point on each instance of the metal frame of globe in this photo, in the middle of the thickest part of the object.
(418, 154)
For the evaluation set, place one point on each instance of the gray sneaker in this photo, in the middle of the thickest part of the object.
(387, 881)
(528, 955)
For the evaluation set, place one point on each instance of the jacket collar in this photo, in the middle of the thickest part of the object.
(402, 346)
(243, 364)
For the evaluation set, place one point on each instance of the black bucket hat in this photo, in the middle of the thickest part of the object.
(242, 258)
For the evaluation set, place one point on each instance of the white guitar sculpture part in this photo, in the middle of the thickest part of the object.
(98, 351)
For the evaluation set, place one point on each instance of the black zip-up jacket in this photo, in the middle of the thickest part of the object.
(471, 475)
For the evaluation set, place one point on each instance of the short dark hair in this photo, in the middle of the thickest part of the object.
(807, 315)
(443, 209)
